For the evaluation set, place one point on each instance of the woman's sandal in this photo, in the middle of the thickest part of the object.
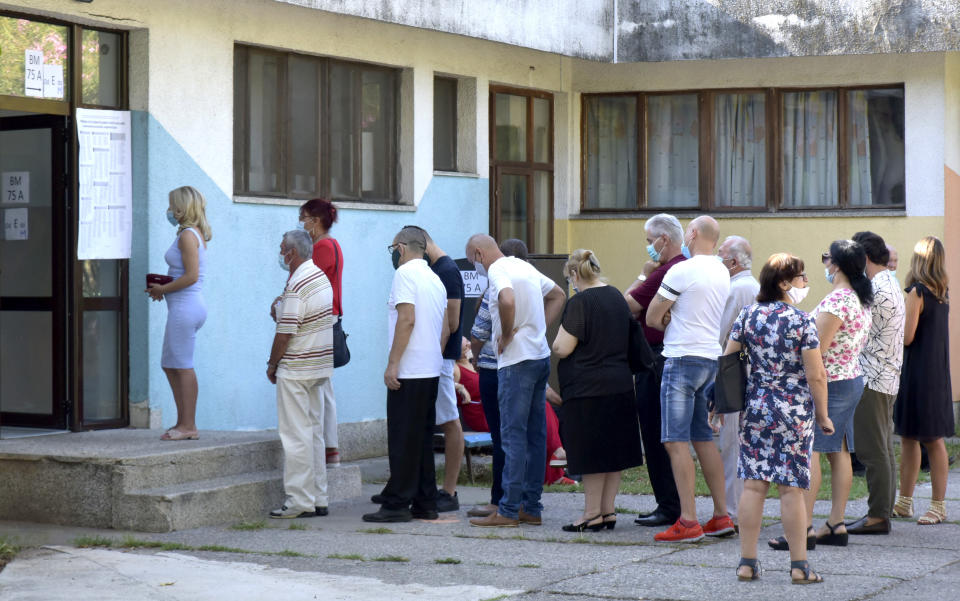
(834, 539)
(755, 569)
(585, 525)
(809, 576)
(610, 524)
(780, 543)
(903, 507)
(935, 515)
(172, 434)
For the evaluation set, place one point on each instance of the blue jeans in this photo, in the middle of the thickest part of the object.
(521, 392)
(491, 410)
(683, 399)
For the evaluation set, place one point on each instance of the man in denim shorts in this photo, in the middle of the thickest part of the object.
(688, 307)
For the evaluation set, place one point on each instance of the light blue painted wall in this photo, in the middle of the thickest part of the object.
(243, 278)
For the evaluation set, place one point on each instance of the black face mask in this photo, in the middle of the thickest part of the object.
(395, 257)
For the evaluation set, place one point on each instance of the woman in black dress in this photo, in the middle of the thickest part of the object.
(923, 413)
(600, 430)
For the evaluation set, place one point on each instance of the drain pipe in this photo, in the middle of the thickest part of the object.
(616, 28)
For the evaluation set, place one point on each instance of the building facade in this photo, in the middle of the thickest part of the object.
(563, 123)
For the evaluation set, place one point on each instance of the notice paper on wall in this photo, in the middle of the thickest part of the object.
(106, 191)
(33, 73)
(15, 224)
(16, 186)
(53, 81)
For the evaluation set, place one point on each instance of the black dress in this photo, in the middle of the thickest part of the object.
(599, 429)
(924, 407)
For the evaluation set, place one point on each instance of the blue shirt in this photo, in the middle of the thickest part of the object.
(483, 330)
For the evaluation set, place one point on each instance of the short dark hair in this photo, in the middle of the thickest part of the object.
(781, 267)
(322, 209)
(874, 246)
(514, 247)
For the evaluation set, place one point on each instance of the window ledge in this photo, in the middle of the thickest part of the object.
(340, 204)
(784, 213)
(456, 174)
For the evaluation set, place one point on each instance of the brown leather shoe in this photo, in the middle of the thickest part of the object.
(482, 511)
(495, 520)
(526, 518)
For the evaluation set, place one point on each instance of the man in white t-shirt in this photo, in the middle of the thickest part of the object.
(416, 334)
(688, 307)
(737, 256)
(522, 302)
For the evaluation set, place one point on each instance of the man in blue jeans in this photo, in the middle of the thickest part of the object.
(688, 307)
(522, 302)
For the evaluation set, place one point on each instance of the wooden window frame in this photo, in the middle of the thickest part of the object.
(774, 154)
(523, 168)
(241, 145)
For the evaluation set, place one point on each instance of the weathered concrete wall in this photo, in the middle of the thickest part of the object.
(570, 27)
(665, 30)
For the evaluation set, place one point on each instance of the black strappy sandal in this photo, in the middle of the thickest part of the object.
(780, 543)
(804, 566)
(755, 570)
(834, 539)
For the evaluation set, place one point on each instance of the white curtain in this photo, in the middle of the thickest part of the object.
(673, 151)
(740, 150)
(612, 152)
(810, 149)
(861, 184)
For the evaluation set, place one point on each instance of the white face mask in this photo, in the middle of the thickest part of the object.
(796, 295)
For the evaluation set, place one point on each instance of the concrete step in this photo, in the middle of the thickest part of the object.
(130, 479)
(235, 498)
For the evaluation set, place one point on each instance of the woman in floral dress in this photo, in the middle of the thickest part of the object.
(776, 429)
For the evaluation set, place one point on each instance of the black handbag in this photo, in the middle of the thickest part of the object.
(341, 352)
(639, 354)
(730, 385)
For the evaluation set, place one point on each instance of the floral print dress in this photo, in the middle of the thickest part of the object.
(776, 425)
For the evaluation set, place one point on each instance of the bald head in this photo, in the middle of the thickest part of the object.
(483, 248)
(892, 263)
(702, 235)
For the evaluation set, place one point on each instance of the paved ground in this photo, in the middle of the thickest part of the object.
(340, 557)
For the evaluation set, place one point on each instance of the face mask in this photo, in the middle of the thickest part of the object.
(173, 220)
(685, 251)
(480, 268)
(893, 272)
(395, 257)
(718, 258)
(282, 260)
(796, 295)
(654, 253)
(301, 226)
(830, 276)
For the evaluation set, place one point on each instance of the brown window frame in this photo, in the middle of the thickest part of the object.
(241, 143)
(774, 155)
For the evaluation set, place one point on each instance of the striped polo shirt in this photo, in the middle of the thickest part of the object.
(306, 312)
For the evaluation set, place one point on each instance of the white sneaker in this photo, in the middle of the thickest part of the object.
(289, 513)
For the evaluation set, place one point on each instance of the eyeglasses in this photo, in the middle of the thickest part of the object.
(801, 275)
(393, 247)
(824, 258)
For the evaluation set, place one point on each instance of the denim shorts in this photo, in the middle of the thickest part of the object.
(843, 396)
(683, 399)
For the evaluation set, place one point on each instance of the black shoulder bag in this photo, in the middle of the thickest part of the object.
(341, 353)
(730, 386)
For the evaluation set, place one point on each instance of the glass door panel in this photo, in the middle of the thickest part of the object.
(542, 221)
(101, 360)
(26, 362)
(513, 207)
(511, 124)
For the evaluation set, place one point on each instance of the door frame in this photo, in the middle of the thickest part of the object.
(528, 167)
(60, 288)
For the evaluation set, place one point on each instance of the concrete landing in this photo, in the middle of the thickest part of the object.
(130, 479)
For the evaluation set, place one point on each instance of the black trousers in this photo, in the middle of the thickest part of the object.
(411, 412)
(658, 461)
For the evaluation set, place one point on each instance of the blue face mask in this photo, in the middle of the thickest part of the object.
(830, 276)
(282, 260)
(654, 254)
(301, 226)
(685, 251)
(173, 220)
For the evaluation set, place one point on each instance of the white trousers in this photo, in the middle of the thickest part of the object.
(330, 417)
(730, 452)
(300, 418)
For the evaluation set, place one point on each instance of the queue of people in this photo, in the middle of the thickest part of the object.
(865, 364)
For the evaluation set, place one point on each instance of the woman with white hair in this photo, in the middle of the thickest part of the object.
(186, 311)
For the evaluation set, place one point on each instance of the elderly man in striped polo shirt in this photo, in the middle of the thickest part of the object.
(301, 364)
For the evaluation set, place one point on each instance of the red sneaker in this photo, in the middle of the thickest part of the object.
(678, 533)
(719, 526)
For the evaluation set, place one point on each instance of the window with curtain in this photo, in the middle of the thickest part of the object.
(611, 152)
(875, 147)
(306, 126)
(673, 151)
(444, 124)
(810, 149)
(740, 150)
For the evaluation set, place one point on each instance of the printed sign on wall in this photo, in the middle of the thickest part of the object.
(33, 73)
(16, 186)
(15, 224)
